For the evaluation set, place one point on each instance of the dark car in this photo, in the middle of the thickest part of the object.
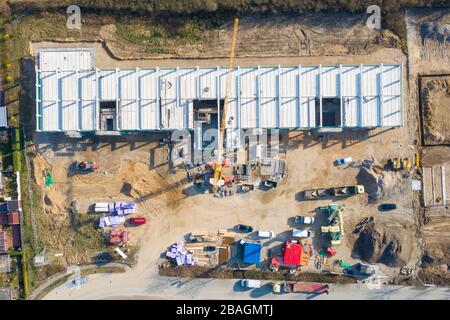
(243, 228)
(387, 207)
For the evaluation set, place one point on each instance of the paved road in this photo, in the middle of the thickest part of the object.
(122, 286)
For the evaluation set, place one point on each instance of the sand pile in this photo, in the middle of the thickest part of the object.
(377, 185)
(54, 202)
(435, 30)
(391, 247)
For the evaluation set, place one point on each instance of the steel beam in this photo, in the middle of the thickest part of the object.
(258, 97)
(238, 95)
(360, 109)
(299, 96)
(96, 120)
(78, 101)
(381, 98)
(58, 101)
(118, 109)
(320, 96)
(138, 99)
(158, 100)
(38, 98)
(278, 88)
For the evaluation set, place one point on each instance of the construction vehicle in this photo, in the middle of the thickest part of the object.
(333, 192)
(335, 227)
(305, 287)
(219, 163)
(87, 166)
(399, 163)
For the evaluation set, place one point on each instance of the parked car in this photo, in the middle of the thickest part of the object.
(299, 233)
(304, 220)
(342, 161)
(269, 184)
(387, 207)
(266, 234)
(243, 228)
(249, 283)
(138, 221)
(209, 248)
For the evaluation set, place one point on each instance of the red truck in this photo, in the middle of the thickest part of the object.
(138, 221)
(300, 287)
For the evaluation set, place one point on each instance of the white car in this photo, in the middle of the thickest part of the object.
(249, 283)
(299, 233)
(304, 220)
(341, 162)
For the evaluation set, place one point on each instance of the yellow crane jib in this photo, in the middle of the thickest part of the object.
(218, 165)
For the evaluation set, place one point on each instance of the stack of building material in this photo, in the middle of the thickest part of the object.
(122, 208)
(111, 221)
(180, 255)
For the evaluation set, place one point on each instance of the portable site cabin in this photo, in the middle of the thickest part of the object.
(252, 252)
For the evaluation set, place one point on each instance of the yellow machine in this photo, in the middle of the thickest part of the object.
(218, 165)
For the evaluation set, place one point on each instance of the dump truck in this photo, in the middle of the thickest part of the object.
(333, 192)
(300, 287)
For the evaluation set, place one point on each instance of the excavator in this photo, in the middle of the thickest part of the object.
(220, 162)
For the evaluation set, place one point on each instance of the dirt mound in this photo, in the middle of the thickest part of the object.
(435, 30)
(53, 202)
(435, 96)
(378, 185)
(378, 245)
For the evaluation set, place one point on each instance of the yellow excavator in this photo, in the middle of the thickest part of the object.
(219, 163)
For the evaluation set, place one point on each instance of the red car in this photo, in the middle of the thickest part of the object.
(138, 221)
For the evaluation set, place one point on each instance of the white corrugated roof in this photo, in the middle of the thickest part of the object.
(260, 97)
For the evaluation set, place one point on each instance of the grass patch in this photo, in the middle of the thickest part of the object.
(160, 36)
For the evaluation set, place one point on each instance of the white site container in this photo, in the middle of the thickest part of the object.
(266, 234)
(101, 207)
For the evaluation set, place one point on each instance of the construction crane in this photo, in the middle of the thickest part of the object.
(218, 165)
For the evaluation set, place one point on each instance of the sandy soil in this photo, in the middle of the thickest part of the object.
(173, 214)
(435, 96)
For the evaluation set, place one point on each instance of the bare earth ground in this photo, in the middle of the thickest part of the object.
(435, 96)
(312, 34)
(429, 55)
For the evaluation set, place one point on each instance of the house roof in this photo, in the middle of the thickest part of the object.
(13, 218)
(13, 205)
(252, 252)
(5, 264)
(292, 253)
(3, 242)
(3, 218)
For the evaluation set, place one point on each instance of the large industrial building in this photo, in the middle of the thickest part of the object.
(74, 96)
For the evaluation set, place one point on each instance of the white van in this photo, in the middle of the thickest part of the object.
(249, 283)
(266, 234)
